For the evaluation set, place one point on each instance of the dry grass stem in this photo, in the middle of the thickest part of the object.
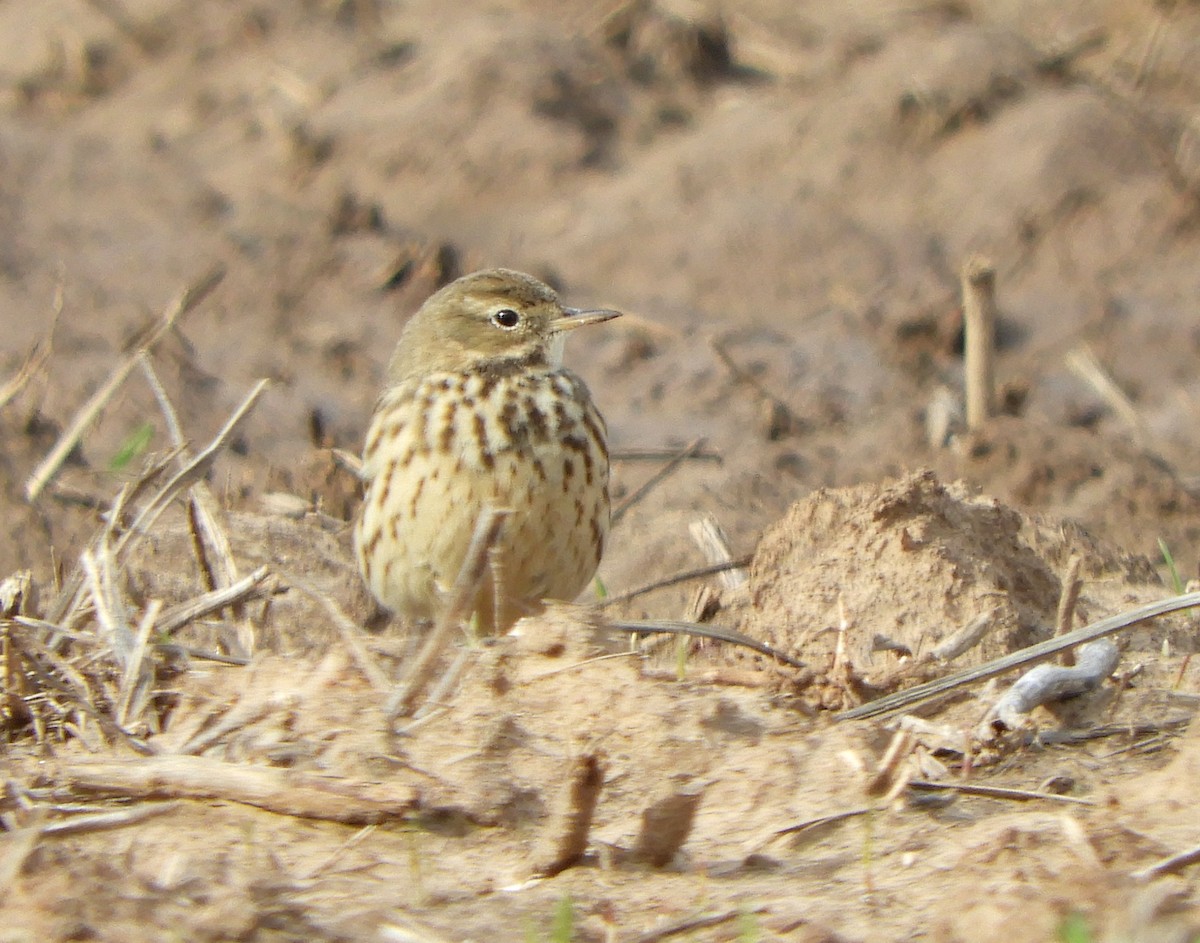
(997, 792)
(488, 530)
(211, 543)
(193, 470)
(979, 317)
(697, 630)
(966, 638)
(251, 586)
(889, 775)
(688, 925)
(36, 359)
(576, 666)
(685, 577)
(939, 687)
(1169, 865)
(103, 821)
(181, 305)
(688, 451)
(445, 684)
(662, 455)
(136, 679)
(349, 631)
(713, 542)
(287, 792)
(786, 418)
(100, 574)
(1065, 617)
(241, 715)
(174, 430)
(820, 821)
(1084, 363)
(347, 461)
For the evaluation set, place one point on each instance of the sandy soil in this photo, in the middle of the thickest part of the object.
(780, 196)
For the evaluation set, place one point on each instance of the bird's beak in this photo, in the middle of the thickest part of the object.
(578, 318)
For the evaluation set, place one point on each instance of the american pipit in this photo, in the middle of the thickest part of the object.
(479, 412)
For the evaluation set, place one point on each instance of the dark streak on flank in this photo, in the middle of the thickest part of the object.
(416, 497)
(487, 382)
(561, 419)
(568, 473)
(509, 415)
(425, 411)
(373, 439)
(371, 545)
(385, 485)
(485, 452)
(446, 439)
(536, 420)
(597, 434)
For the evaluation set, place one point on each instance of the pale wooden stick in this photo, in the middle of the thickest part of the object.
(979, 317)
(287, 792)
(1068, 597)
(570, 821)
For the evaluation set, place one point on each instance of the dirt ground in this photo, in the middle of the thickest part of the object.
(780, 196)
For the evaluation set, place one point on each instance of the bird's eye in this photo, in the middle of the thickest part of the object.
(506, 318)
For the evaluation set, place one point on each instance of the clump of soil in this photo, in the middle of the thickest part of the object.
(883, 572)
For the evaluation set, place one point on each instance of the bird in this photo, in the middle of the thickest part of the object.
(478, 413)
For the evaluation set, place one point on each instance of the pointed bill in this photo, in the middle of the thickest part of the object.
(579, 318)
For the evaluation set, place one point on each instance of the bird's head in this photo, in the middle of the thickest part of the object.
(495, 320)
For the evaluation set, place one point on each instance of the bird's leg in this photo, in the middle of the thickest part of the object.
(499, 613)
